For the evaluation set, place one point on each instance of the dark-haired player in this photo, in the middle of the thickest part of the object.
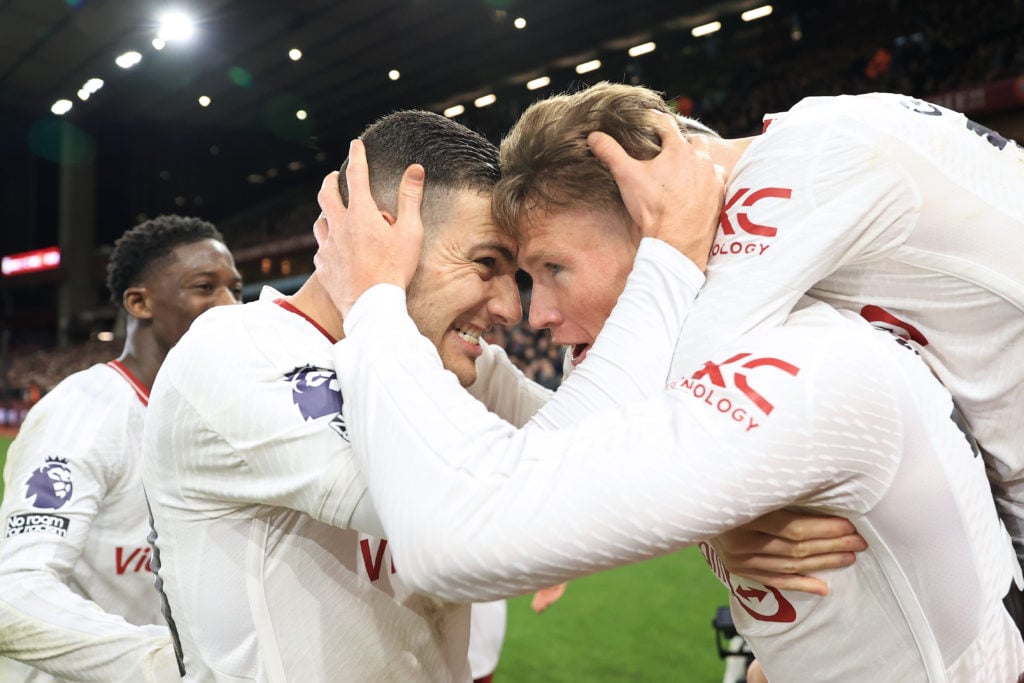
(76, 596)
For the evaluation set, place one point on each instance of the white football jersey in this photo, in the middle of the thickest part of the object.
(906, 213)
(268, 549)
(76, 592)
(823, 413)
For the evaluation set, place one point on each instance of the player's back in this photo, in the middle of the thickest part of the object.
(924, 600)
(907, 213)
(252, 483)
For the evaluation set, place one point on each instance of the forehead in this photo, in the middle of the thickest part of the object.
(469, 225)
(205, 255)
(559, 230)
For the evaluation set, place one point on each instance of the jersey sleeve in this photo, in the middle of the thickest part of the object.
(804, 200)
(504, 389)
(476, 509)
(42, 621)
(258, 448)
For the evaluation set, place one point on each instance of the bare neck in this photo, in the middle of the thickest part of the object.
(314, 301)
(142, 353)
(727, 152)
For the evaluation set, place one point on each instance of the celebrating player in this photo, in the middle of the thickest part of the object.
(821, 412)
(76, 595)
(270, 552)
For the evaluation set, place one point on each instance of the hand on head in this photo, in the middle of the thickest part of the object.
(360, 246)
(676, 196)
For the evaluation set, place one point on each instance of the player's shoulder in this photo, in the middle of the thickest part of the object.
(94, 392)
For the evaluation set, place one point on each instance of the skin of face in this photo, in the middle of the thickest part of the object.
(191, 279)
(465, 283)
(579, 260)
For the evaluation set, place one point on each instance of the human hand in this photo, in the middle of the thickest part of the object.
(546, 597)
(781, 548)
(676, 196)
(361, 246)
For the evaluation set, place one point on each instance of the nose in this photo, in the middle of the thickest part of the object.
(544, 311)
(505, 305)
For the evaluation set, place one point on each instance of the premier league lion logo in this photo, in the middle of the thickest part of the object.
(50, 484)
(316, 393)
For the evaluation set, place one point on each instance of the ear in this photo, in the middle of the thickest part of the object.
(136, 303)
(389, 217)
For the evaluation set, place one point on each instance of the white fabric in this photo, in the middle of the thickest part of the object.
(886, 201)
(76, 593)
(258, 512)
(486, 636)
(823, 413)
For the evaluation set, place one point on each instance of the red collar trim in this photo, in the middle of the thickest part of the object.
(288, 307)
(141, 391)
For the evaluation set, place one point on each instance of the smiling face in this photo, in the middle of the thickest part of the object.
(465, 283)
(191, 279)
(579, 260)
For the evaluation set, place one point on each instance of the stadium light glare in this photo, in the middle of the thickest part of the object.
(204, 101)
(159, 43)
(485, 101)
(175, 25)
(537, 83)
(706, 29)
(642, 49)
(301, 115)
(756, 13)
(83, 94)
(519, 23)
(394, 74)
(61, 107)
(93, 84)
(295, 54)
(452, 112)
(587, 67)
(128, 59)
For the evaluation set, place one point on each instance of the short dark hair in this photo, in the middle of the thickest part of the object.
(453, 156)
(148, 242)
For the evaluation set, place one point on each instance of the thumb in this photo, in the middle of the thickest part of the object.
(608, 151)
(320, 230)
(410, 193)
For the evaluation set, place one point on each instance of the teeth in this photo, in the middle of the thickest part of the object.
(471, 337)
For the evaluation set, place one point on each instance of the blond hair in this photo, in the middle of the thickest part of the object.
(546, 163)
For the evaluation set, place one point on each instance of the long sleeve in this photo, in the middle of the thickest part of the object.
(477, 509)
(69, 499)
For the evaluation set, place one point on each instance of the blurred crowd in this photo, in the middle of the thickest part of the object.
(918, 47)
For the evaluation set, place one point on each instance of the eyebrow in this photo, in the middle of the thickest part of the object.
(501, 249)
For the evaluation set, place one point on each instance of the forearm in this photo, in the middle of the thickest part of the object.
(46, 625)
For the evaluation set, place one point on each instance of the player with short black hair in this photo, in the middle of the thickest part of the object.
(76, 593)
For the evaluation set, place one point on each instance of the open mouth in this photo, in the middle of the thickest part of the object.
(579, 352)
(469, 336)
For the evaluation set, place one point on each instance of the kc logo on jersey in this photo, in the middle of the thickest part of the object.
(50, 485)
(316, 393)
(736, 218)
(716, 385)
